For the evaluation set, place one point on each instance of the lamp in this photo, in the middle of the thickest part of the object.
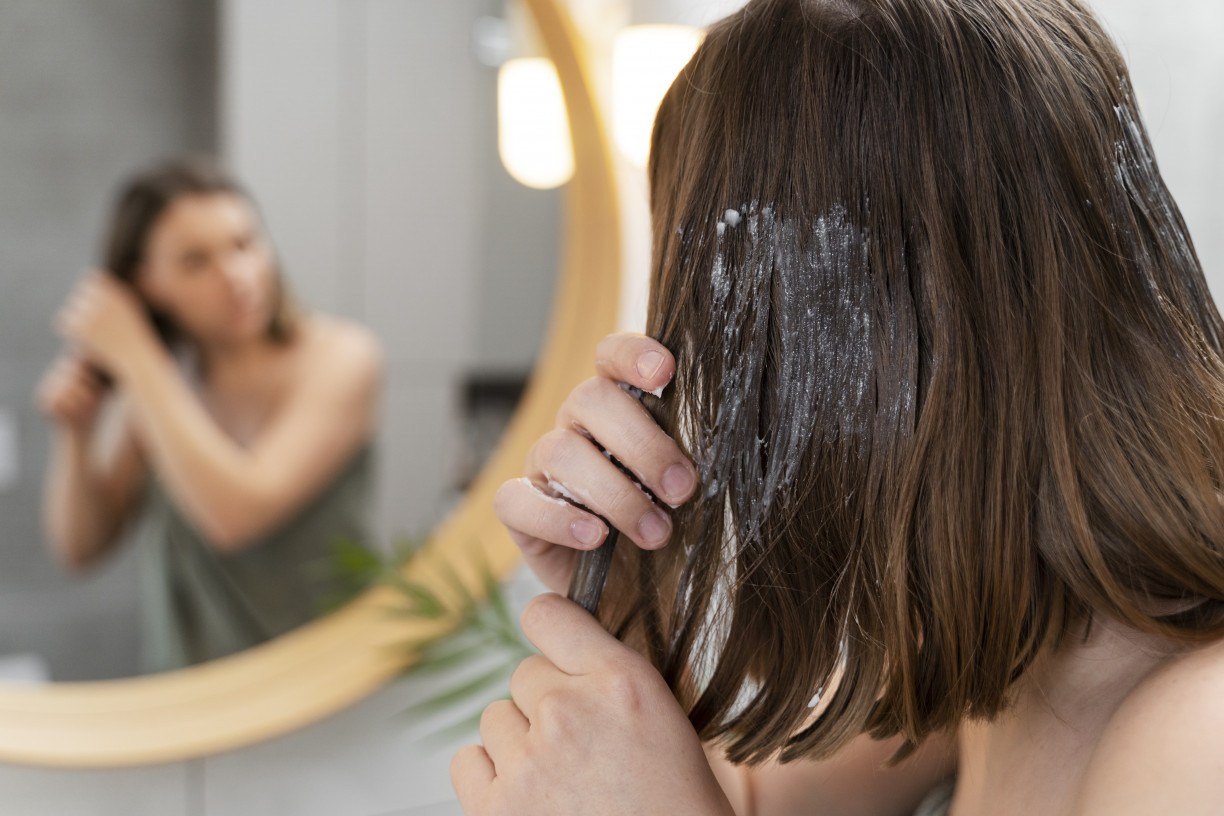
(533, 135)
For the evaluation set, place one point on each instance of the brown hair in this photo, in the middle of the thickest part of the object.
(946, 358)
(142, 201)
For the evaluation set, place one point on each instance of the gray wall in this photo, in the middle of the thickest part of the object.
(1176, 55)
(88, 92)
(367, 130)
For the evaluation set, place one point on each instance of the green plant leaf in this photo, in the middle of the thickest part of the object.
(463, 727)
(459, 693)
(449, 658)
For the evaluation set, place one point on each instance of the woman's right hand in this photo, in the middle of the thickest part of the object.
(566, 460)
(70, 392)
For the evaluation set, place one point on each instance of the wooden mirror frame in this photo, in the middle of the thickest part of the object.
(331, 663)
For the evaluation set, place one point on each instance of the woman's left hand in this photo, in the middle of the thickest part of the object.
(107, 320)
(592, 728)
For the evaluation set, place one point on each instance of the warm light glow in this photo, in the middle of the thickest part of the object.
(645, 61)
(533, 135)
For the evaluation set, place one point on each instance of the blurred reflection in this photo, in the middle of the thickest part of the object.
(187, 458)
(237, 443)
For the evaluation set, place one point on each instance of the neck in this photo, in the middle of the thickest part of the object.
(216, 356)
(1089, 677)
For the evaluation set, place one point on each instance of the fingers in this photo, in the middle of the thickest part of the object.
(502, 728)
(628, 431)
(533, 678)
(571, 464)
(521, 505)
(636, 359)
(567, 635)
(70, 390)
(471, 773)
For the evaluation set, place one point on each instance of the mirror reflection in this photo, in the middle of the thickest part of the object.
(273, 294)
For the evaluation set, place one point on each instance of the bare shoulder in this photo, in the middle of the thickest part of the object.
(1163, 752)
(342, 352)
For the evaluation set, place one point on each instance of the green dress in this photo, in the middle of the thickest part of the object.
(199, 603)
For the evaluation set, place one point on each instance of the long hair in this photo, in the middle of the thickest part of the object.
(947, 361)
(143, 199)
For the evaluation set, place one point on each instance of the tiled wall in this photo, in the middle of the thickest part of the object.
(88, 92)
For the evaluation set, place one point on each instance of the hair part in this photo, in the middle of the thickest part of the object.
(953, 376)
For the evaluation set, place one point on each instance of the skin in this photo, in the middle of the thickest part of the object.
(1119, 724)
(269, 426)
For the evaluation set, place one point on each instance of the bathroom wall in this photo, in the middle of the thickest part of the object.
(88, 91)
(368, 131)
(1176, 56)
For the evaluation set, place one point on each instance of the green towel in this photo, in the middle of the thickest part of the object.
(199, 604)
(938, 801)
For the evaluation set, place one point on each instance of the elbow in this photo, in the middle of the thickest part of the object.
(229, 535)
(71, 562)
(239, 527)
(66, 550)
(71, 557)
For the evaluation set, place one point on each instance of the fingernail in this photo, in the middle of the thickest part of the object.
(654, 527)
(677, 481)
(649, 363)
(587, 532)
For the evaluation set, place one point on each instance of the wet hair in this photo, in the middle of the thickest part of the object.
(947, 362)
(144, 198)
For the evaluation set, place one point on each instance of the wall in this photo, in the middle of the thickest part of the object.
(1176, 55)
(367, 130)
(87, 94)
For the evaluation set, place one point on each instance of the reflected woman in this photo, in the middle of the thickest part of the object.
(238, 439)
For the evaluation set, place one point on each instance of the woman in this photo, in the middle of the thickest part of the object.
(253, 420)
(952, 379)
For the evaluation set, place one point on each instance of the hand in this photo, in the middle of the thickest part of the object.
(591, 728)
(70, 393)
(107, 320)
(549, 530)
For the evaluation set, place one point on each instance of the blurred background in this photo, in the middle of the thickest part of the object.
(390, 146)
(367, 132)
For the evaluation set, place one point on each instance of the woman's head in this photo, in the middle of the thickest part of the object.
(946, 357)
(189, 239)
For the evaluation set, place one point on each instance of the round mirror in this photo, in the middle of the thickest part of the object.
(382, 162)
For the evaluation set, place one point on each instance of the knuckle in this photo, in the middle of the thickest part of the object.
(589, 393)
(625, 689)
(460, 760)
(555, 717)
(641, 442)
(626, 502)
(516, 676)
(486, 720)
(552, 449)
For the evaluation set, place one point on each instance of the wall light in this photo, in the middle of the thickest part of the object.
(533, 134)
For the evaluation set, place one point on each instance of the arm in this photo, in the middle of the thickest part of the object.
(854, 782)
(235, 494)
(92, 485)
